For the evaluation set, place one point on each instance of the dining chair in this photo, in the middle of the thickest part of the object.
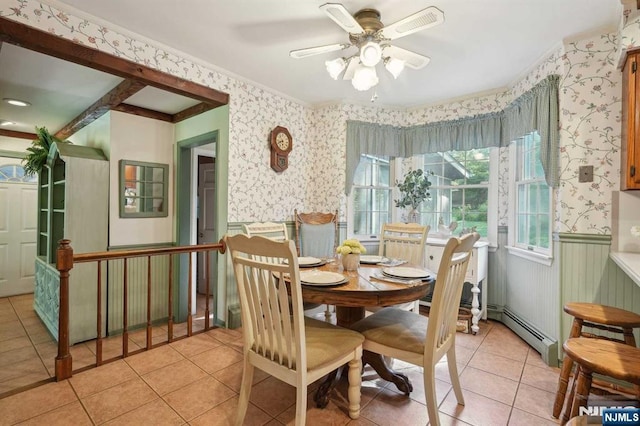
(278, 338)
(275, 231)
(421, 340)
(317, 236)
(316, 233)
(404, 241)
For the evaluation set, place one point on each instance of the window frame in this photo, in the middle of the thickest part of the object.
(147, 170)
(351, 205)
(535, 253)
(492, 195)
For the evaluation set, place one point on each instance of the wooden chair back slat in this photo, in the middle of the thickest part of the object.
(404, 241)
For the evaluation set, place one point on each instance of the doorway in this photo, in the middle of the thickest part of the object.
(196, 209)
(205, 208)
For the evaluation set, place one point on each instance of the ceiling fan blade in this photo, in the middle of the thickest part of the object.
(351, 68)
(427, 18)
(342, 17)
(310, 51)
(411, 59)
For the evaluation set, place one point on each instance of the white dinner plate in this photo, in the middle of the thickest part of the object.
(372, 259)
(321, 278)
(305, 261)
(405, 272)
(308, 261)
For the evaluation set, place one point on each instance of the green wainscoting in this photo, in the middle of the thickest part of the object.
(589, 275)
(137, 288)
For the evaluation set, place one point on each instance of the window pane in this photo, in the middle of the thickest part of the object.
(371, 195)
(533, 209)
(533, 199)
(522, 198)
(522, 236)
(452, 197)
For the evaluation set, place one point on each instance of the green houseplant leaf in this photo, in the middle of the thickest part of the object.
(38, 151)
(413, 190)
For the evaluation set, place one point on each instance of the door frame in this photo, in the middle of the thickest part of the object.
(184, 224)
(195, 187)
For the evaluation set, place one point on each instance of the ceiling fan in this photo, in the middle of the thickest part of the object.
(372, 39)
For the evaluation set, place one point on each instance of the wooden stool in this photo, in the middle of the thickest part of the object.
(582, 421)
(597, 316)
(612, 359)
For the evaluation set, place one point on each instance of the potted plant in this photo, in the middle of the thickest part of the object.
(350, 251)
(413, 191)
(39, 151)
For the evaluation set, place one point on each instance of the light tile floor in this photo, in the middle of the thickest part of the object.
(196, 381)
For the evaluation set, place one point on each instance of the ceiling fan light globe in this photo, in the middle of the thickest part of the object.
(370, 54)
(394, 66)
(364, 78)
(335, 67)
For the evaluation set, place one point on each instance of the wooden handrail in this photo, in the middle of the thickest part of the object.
(65, 262)
(122, 254)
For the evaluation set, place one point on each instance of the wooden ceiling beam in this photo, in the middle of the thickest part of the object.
(49, 44)
(112, 99)
(19, 135)
(193, 111)
(144, 112)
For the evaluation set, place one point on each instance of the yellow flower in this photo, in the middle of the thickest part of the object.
(351, 246)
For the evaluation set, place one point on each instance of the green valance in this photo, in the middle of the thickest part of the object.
(535, 110)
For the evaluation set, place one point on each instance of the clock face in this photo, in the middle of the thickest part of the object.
(282, 140)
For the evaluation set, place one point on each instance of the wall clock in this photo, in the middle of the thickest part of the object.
(281, 144)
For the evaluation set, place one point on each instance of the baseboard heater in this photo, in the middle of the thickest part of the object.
(547, 346)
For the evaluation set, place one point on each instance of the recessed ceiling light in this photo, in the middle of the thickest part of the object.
(16, 102)
(6, 123)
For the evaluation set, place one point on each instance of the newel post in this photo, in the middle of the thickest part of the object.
(64, 264)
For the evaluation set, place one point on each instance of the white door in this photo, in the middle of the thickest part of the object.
(18, 225)
(206, 221)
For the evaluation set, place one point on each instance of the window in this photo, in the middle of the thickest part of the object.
(532, 201)
(371, 196)
(460, 190)
(143, 189)
(15, 173)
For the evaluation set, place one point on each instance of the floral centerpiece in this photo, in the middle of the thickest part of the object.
(350, 251)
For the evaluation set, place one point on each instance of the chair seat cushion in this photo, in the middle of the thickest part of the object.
(326, 342)
(395, 328)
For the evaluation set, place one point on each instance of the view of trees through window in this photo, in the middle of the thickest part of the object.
(459, 190)
(371, 195)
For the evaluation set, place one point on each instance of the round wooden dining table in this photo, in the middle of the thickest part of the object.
(351, 300)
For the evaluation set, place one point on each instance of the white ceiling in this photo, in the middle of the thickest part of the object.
(483, 45)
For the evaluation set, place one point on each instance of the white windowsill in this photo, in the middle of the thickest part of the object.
(531, 255)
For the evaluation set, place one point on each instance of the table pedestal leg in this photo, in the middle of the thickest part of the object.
(321, 398)
(345, 316)
(377, 362)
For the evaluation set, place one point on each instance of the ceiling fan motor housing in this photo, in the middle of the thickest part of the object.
(369, 20)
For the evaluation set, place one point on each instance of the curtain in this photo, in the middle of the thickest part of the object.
(535, 110)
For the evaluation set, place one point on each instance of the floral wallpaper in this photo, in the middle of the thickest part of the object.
(590, 125)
